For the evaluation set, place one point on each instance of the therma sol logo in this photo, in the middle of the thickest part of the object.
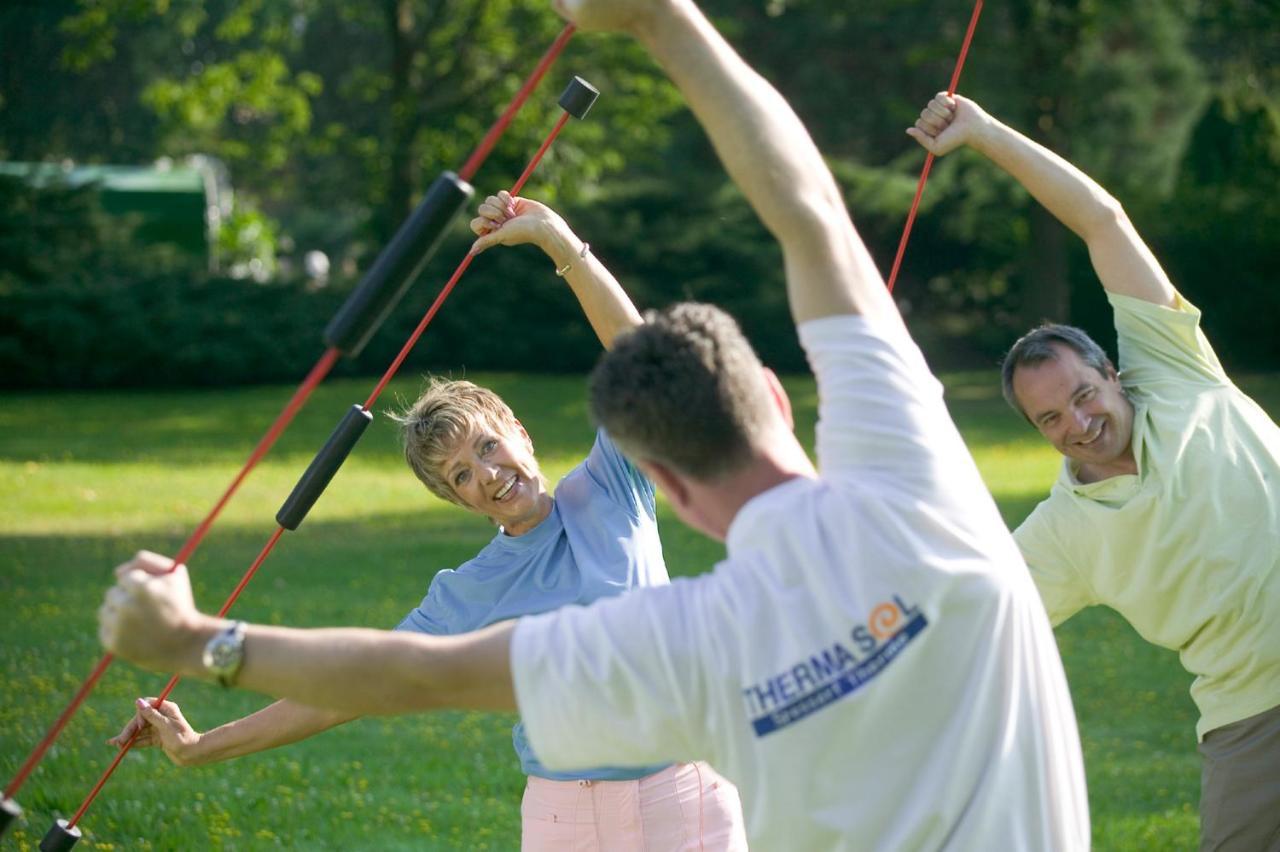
(835, 670)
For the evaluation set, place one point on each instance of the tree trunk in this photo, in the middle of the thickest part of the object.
(1048, 289)
(402, 173)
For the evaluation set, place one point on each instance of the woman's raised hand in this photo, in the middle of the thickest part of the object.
(507, 220)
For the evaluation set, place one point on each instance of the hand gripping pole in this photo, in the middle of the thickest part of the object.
(358, 327)
(578, 97)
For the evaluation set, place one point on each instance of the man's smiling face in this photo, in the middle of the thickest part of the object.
(1082, 412)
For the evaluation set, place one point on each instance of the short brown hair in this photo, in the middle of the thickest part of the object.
(443, 415)
(685, 390)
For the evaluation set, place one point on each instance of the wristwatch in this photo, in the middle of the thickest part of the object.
(224, 654)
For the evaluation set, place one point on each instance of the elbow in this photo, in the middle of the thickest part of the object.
(810, 216)
(1105, 215)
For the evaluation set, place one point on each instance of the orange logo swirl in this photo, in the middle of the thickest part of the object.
(884, 620)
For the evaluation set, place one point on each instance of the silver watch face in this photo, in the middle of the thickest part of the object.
(224, 654)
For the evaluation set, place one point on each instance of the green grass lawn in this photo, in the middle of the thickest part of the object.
(87, 478)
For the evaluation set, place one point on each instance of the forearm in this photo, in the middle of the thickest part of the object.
(769, 154)
(361, 672)
(607, 306)
(281, 723)
(749, 123)
(1124, 263)
(1071, 196)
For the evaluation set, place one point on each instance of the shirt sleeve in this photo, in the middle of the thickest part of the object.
(426, 617)
(1157, 343)
(621, 480)
(611, 684)
(1062, 589)
(880, 408)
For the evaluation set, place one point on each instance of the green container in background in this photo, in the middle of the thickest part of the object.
(180, 204)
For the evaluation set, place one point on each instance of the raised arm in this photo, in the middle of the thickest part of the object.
(1123, 262)
(149, 618)
(506, 220)
(278, 724)
(765, 149)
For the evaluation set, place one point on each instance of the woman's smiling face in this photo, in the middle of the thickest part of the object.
(495, 473)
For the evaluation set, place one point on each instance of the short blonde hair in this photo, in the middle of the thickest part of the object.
(446, 412)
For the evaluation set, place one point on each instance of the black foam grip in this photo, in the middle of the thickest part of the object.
(322, 468)
(9, 813)
(578, 97)
(60, 837)
(397, 266)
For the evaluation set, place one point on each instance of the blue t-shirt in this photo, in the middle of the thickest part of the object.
(600, 539)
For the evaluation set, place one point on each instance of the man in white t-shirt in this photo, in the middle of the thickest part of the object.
(871, 664)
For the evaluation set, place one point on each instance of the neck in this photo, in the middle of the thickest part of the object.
(537, 516)
(780, 460)
(1124, 465)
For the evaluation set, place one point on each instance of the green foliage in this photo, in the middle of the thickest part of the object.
(1220, 230)
(247, 244)
(333, 117)
(83, 305)
(254, 92)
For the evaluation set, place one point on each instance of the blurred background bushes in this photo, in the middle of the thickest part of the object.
(332, 118)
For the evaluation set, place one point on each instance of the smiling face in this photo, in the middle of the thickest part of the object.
(1082, 412)
(494, 473)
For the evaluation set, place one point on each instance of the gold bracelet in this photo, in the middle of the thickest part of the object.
(586, 247)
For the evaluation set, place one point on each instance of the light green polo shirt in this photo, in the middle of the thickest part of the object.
(1187, 550)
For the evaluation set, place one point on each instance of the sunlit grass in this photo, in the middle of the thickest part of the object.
(87, 478)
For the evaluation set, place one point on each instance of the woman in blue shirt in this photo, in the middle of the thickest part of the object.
(596, 536)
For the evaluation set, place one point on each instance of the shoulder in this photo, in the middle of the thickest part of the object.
(1055, 532)
(1159, 343)
(607, 472)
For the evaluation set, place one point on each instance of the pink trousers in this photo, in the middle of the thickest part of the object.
(687, 806)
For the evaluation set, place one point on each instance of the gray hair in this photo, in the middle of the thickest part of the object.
(685, 390)
(1040, 345)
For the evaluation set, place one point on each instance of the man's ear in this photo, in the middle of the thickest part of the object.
(780, 398)
(668, 481)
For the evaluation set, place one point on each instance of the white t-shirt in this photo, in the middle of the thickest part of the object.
(871, 664)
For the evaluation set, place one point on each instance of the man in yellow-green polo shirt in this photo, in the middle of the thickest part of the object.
(1167, 508)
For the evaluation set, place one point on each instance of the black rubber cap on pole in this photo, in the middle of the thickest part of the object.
(322, 468)
(578, 97)
(9, 813)
(397, 266)
(60, 838)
